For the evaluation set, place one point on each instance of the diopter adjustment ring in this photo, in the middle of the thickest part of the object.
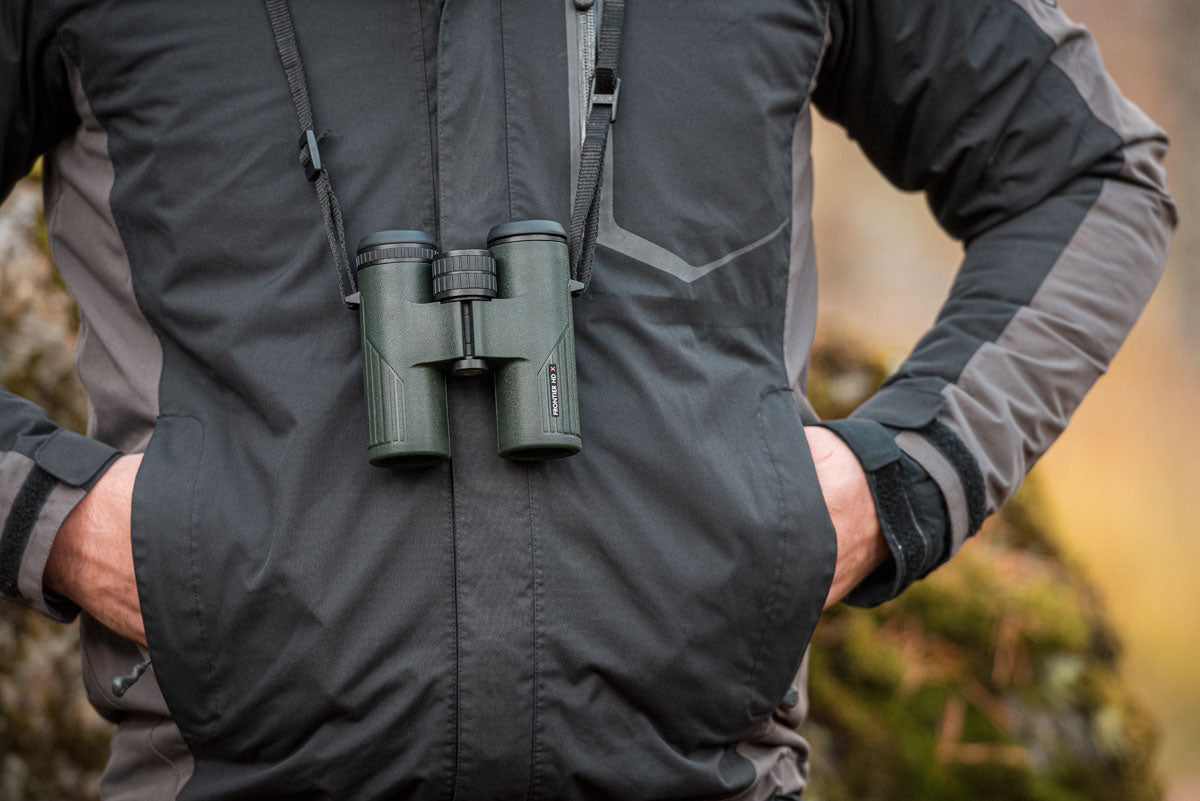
(394, 253)
(464, 275)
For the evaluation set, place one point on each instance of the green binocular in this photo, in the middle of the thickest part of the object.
(426, 314)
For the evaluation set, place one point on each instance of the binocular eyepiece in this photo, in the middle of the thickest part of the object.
(506, 310)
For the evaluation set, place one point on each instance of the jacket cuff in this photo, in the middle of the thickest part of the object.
(39, 493)
(910, 506)
(910, 410)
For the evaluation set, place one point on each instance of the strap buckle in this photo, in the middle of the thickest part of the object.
(310, 154)
(606, 90)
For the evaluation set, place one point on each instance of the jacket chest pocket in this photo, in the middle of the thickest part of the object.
(697, 175)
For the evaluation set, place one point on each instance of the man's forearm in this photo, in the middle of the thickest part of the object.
(861, 545)
(92, 559)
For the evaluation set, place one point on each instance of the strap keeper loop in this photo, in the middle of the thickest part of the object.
(310, 154)
(606, 90)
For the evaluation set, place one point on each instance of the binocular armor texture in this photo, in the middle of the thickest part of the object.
(506, 309)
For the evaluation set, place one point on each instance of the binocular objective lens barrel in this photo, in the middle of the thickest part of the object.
(537, 403)
(407, 420)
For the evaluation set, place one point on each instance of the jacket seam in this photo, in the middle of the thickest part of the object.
(819, 62)
(193, 551)
(452, 784)
(173, 763)
(433, 162)
(781, 534)
(536, 748)
(507, 126)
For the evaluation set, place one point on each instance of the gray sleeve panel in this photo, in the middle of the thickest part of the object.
(1017, 393)
(946, 477)
(1000, 110)
(62, 500)
(1077, 56)
(963, 101)
(36, 495)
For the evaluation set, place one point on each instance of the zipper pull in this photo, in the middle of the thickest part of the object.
(121, 684)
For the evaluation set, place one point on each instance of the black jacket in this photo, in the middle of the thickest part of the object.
(625, 623)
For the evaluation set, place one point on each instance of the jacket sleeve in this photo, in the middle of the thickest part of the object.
(44, 469)
(1001, 112)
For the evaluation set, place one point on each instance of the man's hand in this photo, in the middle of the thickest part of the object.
(861, 547)
(92, 559)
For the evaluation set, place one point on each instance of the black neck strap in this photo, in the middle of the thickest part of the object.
(310, 155)
(601, 112)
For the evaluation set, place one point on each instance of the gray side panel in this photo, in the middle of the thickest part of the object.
(800, 316)
(148, 759)
(118, 355)
(778, 753)
(119, 360)
(149, 762)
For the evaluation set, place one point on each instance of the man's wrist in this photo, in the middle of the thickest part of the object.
(908, 503)
(49, 477)
(91, 561)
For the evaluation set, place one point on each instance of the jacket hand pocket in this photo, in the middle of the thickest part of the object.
(806, 554)
(168, 568)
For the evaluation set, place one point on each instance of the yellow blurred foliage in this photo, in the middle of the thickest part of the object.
(1123, 479)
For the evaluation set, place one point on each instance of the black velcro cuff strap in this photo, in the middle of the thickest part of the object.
(74, 459)
(18, 527)
(914, 538)
(968, 470)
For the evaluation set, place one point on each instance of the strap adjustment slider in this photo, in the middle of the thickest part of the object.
(310, 154)
(606, 90)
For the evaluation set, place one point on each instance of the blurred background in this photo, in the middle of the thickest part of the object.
(1122, 485)
(1055, 659)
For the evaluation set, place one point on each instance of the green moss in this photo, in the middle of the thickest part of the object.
(994, 678)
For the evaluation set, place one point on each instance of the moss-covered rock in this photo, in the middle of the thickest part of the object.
(53, 745)
(995, 678)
